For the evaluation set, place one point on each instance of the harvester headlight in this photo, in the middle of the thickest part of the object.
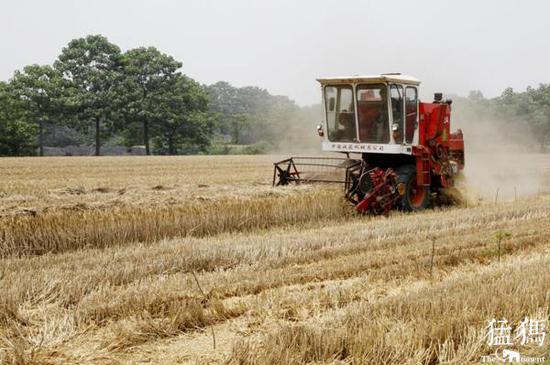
(454, 167)
(320, 130)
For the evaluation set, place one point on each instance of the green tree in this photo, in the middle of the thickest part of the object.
(93, 68)
(240, 113)
(529, 109)
(257, 105)
(17, 137)
(39, 90)
(250, 115)
(538, 106)
(224, 104)
(475, 95)
(239, 124)
(181, 117)
(149, 77)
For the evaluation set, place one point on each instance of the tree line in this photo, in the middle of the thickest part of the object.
(521, 117)
(95, 94)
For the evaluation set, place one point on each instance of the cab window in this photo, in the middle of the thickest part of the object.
(372, 113)
(341, 125)
(411, 109)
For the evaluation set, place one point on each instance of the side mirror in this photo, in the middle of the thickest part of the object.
(320, 130)
(331, 103)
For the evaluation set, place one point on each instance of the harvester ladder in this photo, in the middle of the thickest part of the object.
(425, 162)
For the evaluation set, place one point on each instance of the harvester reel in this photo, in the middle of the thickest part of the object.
(372, 190)
(313, 169)
(365, 183)
(283, 175)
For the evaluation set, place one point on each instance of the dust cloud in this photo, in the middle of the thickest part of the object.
(500, 154)
(501, 158)
(301, 138)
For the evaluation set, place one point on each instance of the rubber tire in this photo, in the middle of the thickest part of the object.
(407, 175)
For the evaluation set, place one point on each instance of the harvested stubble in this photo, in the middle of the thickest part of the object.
(443, 323)
(323, 289)
(96, 306)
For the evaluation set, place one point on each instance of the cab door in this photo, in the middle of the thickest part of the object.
(396, 107)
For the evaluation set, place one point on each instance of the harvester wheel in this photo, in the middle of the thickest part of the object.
(415, 197)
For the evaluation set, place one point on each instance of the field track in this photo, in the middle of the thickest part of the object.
(139, 260)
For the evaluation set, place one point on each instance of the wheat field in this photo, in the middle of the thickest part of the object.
(186, 260)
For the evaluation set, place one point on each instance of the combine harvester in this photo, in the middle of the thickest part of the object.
(406, 155)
